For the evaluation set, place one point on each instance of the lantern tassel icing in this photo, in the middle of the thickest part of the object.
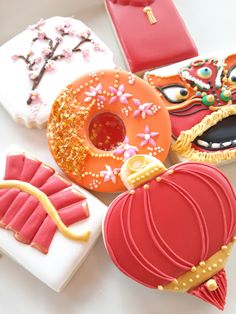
(213, 291)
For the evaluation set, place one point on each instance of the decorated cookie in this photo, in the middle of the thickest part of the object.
(201, 102)
(147, 37)
(36, 207)
(39, 62)
(102, 119)
(174, 229)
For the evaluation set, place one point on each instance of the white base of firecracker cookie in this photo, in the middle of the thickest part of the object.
(65, 256)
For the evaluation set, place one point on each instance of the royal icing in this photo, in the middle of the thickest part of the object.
(99, 121)
(37, 205)
(46, 57)
(202, 107)
(150, 230)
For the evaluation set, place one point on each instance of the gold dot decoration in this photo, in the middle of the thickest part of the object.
(202, 272)
(211, 285)
(193, 269)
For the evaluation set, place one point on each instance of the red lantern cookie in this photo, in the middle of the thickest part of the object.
(102, 119)
(162, 232)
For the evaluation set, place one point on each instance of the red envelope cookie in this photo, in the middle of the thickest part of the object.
(102, 119)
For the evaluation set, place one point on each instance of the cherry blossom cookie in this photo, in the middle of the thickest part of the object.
(36, 207)
(40, 61)
(102, 119)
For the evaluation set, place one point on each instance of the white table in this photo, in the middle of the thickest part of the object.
(98, 287)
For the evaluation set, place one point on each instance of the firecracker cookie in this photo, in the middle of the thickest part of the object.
(37, 208)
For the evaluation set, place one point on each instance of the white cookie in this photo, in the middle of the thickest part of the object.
(64, 256)
(39, 62)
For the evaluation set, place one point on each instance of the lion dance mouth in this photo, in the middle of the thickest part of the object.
(201, 100)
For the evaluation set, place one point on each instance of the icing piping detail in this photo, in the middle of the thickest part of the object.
(183, 144)
(199, 276)
(201, 220)
(135, 251)
(158, 239)
(47, 205)
(227, 237)
(191, 78)
(48, 54)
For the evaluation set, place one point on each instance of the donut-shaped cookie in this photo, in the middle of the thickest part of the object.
(99, 121)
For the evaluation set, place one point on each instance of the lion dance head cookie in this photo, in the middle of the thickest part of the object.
(174, 228)
(102, 119)
(201, 100)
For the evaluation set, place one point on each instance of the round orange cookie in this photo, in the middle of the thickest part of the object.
(102, 119)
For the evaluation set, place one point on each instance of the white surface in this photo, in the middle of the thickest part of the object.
(55, 269)
(98, 287)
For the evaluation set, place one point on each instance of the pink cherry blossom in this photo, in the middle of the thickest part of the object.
(143, 109)
(46, 52)
(30, 53)
(119, 94)
(37, 60)
(148, 137)
(109, 174)
(67, 53)
(15, 57)
(50, 66)
(67, 24)
(84, 34)
(41, 35)
(126, 149)
(32, 75)
(85, 54)
(95, 92)
(35, 96)
(59, 39)
(71, 32)
(97, 47)
(63, 28)
(37, 25)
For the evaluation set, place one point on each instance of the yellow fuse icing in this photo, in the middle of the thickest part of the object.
(48, 207)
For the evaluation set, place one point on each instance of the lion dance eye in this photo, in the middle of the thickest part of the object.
(204, 73)
(182, 94)
(175, 93)
(232, 76)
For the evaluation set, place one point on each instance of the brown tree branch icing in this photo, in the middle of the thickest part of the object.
(50, 54)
